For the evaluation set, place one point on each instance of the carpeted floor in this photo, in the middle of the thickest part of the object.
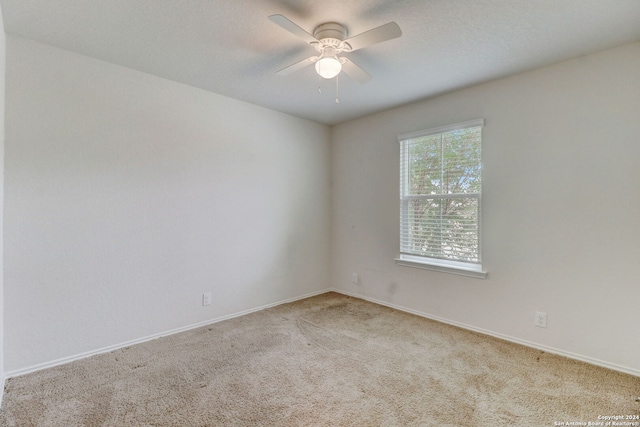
(329, 360)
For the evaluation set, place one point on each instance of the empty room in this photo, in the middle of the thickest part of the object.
(337, 213)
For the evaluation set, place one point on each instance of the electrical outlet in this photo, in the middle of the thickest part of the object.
(206, 298)
(540, 319)
(354, 278)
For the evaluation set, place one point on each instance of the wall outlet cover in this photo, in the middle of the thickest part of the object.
(540, 319)
(206, 298)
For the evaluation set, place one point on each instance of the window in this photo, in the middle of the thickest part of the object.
(440, 198)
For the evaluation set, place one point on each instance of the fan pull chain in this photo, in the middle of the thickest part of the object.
(337, 89)
(319, 84)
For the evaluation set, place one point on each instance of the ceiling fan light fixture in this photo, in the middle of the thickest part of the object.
(328, 67)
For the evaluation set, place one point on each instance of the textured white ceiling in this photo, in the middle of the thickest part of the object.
(231, 48)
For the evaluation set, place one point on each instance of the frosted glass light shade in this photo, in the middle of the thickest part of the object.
(328, 67)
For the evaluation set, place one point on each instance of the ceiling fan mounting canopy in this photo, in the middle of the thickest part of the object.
(332, 34)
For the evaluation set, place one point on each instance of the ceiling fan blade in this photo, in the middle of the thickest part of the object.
(379, 34)
(293, 28)
(297, 66)
(355, 72)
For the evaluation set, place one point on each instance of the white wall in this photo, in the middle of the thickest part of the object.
(561, 208)
(3, 63)
(127, 196)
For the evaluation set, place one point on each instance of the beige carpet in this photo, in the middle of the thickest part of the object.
(329, 360)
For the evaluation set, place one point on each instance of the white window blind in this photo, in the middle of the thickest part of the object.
(440, 194)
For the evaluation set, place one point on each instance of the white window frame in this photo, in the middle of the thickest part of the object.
(443, 265)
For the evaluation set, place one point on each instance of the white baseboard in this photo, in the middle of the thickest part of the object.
(108, 349)
(64, 360)
(525, 343)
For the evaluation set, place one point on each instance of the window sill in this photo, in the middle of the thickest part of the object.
(442, 266)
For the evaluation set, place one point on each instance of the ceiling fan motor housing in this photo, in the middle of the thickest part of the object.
(330, 33)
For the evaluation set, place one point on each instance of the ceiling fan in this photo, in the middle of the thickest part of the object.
(330, 40)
